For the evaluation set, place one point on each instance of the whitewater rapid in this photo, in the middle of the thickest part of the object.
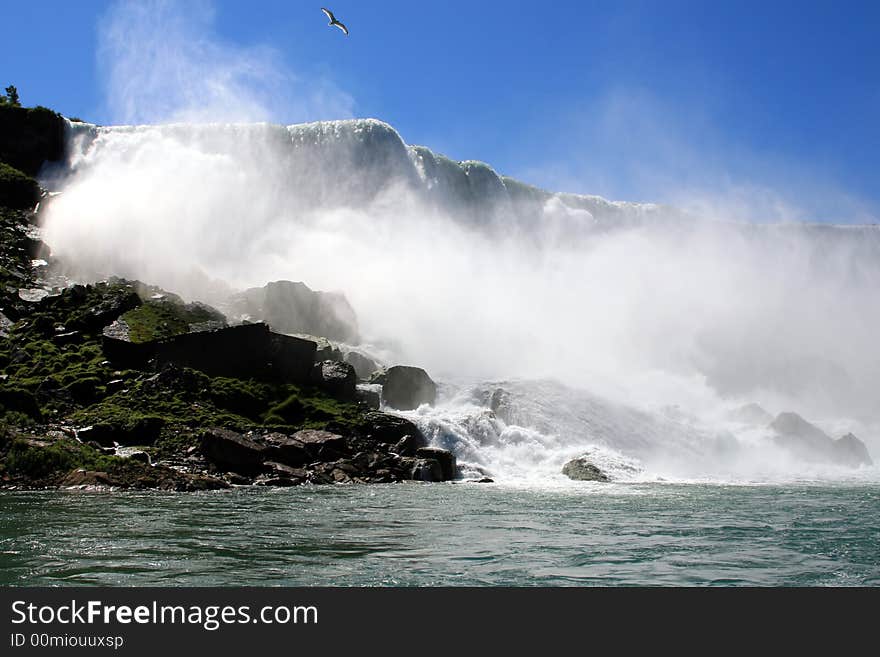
(626, 331)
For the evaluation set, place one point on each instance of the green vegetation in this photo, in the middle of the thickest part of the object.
(11, 98)
(34, 460)
(165, 318)
(17, 190)
(55, 374)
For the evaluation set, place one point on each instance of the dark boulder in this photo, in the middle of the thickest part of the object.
(109, 309)
(389, 429)
(363, 366)
(427, 470)
(232, 451)
(407, 388)
(336, 379)
(581, 469)
(406, 446)
(368, 395)
(245, 352)
(322, 445)
(445, 458)
(281, 474)
(287, 450)
(83, 477)
(102, 434)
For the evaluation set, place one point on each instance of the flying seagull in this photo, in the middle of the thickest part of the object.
(333, 20)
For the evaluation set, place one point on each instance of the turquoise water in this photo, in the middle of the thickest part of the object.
(463, 534)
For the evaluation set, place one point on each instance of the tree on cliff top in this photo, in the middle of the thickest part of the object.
(11, 97)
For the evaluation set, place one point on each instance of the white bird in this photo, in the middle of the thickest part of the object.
(333, 21)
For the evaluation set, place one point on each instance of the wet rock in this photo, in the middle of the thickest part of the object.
(232, 451)
(134, 454)
(279, 473)
(98, 434)
(501, 404)
(363, 365)
(407, 388)
(116, 303)
(427, 470)
(580, 469)
(287, 450)
(446, 459)
(336, 379)
(390, 429)
(406, 446)
(321, 445)
(82, 477)
(369, 394)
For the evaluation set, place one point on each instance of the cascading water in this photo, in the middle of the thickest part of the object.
(519, 300)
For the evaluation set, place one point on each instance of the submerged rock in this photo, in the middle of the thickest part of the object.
(581, 469)
(406, 388)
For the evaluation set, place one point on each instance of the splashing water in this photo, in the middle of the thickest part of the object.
(669, 321)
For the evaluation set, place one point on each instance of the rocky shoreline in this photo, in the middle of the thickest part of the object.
(123, 385)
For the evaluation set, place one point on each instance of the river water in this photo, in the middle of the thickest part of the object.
(802, 534)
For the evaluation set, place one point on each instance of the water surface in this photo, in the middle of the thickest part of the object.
(444, 534)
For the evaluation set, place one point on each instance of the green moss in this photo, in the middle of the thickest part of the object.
(61, 456)
(156, 320)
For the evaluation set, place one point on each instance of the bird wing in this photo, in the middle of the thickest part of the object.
(341, 27)
(329, 14)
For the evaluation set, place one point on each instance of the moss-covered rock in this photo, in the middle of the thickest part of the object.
(167, 317)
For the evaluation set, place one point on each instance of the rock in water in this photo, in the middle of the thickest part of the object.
(445, 458)
(390, 429)
(580, 469)
(850, 451)
(407, 388)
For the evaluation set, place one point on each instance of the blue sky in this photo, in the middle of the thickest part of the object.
(771, 106)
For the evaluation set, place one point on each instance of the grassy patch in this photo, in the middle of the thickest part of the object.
(156, 320)
(62, 456)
